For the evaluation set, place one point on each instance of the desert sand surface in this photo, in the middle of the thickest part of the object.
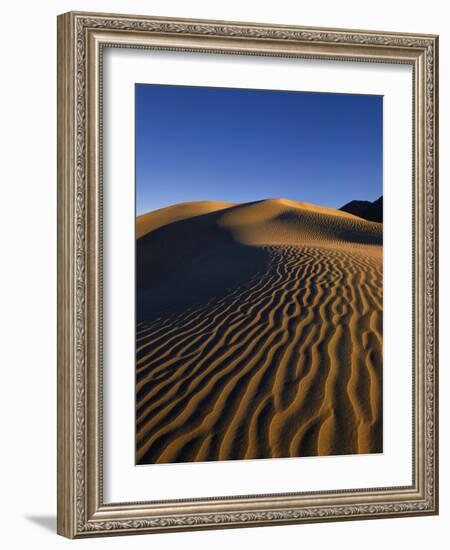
(152, 220)
(259, 332)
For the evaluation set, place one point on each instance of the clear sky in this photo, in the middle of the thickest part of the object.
(235, 145)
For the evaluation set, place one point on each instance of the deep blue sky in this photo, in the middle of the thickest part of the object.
(221, 144)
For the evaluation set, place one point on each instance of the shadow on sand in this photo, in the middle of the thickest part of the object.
(190, 262)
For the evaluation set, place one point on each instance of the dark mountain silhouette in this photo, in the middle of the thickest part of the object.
(372, 211)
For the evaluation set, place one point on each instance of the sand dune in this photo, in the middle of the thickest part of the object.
(152, 220)
(259, 333)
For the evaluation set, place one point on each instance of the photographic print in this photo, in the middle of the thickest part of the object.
(247, 274)
(259, 274)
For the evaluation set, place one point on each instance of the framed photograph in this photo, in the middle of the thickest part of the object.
(247, 274)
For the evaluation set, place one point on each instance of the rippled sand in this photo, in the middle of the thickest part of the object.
(259, 332)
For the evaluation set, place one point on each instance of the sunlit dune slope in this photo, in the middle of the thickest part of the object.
(280, 221)
(259, 333)
(152, 220)
(273, 221)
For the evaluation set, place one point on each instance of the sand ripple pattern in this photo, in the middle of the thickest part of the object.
(288, 364)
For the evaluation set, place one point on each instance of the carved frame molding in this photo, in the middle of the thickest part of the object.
(81, 39)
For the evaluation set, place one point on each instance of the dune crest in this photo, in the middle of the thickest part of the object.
(259, 333)
(279, 221)
(158, 218)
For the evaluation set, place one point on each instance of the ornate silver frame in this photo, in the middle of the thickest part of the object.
(81, 39)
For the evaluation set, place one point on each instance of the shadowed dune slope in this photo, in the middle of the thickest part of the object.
(259, 333)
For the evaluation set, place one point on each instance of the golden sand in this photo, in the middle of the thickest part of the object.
(259, 332)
